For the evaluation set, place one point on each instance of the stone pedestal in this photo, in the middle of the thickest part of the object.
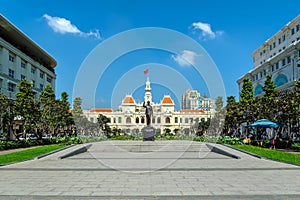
(148, 133)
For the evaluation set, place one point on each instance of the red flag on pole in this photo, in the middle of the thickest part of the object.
(146, 71)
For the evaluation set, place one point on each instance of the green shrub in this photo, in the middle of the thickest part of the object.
(123, 137)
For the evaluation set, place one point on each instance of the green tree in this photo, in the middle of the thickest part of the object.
(103, 123)
(27, 109)
(203, 126)
(81, 122)
(7, 115)
(219, 104)
(246, 101)
(231, 119)
(48, 111)
(66, 118)
(268, 105)
(247, 93)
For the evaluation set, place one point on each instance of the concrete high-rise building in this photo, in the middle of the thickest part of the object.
(191, 99)
(278, 56)
(21, 58)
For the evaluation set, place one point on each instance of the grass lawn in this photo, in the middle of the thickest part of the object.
(27, 154)
(271, 154)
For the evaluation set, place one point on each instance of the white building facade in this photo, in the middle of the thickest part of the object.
(130, 116)
(21, 58)
(278, 56)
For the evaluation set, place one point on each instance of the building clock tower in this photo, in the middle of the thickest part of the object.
(148, 95)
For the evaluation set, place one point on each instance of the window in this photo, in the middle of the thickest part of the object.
(265, 72)
(274, 44)
(176, 119)
(22, 77)
(41, 87)
(128, 120)
(168, 120)
(10, 87)
(41, 75)
(11, 58)
(23, 65)
(33, 83)
(186, 120)
(292, 31)
(49, 80)
(283, 62)
(297, 27)
(279, 41)
(270, 47)
(260, 73)
(143, 120)
(272, 68)
(158, 120)
(120, 120)
(283, 38)
(11, 73)
(32, 70)
(289, 59)
(277, 65)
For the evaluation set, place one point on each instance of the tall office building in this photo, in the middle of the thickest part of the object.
(191, 100)
(278, 56)
(21, 58)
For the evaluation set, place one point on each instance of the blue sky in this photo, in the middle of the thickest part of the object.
(229, 31)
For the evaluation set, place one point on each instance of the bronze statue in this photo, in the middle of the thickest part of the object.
(148, 112)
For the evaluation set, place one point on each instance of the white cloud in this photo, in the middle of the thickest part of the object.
(186, 58)
(63, 26)
(207, 32)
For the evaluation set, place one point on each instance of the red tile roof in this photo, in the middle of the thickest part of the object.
(167, 100)
(128, 100)
(191, 111)
(101, 110)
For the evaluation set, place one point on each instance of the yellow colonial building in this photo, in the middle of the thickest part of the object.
(130, 116)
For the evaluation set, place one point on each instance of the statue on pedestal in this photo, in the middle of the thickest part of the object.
(148, 131)
(148, 112)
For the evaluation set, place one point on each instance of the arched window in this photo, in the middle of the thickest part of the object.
(258, 90)
(137, 120)
(167, 120)
(128, 120)
(143, 120)
(153, 120)
(158, 120)
(281, 80)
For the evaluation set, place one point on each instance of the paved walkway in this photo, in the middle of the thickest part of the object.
(149, 170)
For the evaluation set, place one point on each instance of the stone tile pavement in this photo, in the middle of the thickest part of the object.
(149, 170)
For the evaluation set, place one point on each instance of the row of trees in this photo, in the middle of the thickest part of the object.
(278, 106)
(47, 115)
